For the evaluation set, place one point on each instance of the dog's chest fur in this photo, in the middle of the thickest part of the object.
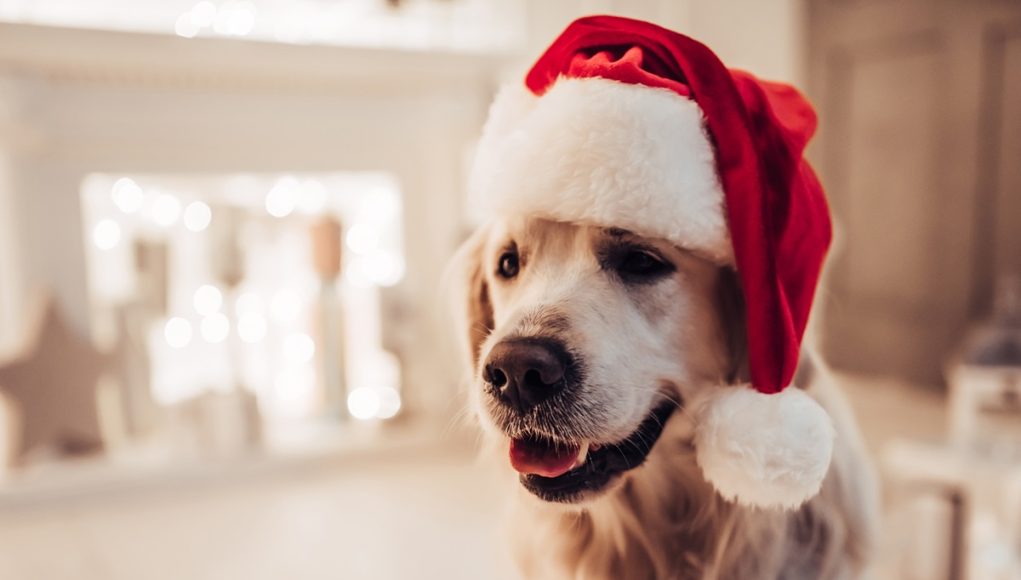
(642, 531)
(666, 522)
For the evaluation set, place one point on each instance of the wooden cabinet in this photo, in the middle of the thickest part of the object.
(920, 151)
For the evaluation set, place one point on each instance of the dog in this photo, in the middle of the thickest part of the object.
(588, 349)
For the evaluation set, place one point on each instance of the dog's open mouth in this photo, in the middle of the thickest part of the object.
(565, 472)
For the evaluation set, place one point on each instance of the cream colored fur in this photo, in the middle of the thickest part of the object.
(661, 520)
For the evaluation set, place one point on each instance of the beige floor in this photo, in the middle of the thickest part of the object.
(420, 517)
(414, 514)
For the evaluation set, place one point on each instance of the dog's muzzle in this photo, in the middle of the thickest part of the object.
(532, 383)
(567, 472)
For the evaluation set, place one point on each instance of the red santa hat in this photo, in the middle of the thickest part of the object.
(626, 124)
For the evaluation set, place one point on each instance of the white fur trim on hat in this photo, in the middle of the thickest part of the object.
(763, 450)
(600, 151)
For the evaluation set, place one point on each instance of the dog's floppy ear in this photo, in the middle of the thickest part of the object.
(473, 307)
(731, 302)
(732, 309)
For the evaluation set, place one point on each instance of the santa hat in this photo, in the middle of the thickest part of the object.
(626, 124)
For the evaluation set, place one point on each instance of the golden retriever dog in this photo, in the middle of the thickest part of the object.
(633, 318)
(593, 344)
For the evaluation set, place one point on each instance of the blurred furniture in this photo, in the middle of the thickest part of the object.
(985, 380)
(980, 527)
(51, 387)
(978, 469)
(327, 252)
(920, 132)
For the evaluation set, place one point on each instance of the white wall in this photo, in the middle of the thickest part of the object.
(13, 139)
(10, 268)
(766, 37)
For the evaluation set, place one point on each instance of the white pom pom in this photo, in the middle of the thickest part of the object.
(763, 450)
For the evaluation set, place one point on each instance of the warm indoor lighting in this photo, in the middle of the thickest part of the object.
(270, 312)
(362, 238)
(215, 328)
(177, 332)
(185, 26)
(363, 403)
(127, 195)
(389, 403)
(202, 14)
(235, 19)
(311, 197)
(286, 306)
(294, 391)
(385, 269)
(106, 234)
(248, 302)
(299, 348)
(437, 25)
(281, 199)
(252, 327)
(381, 204)
(197, 216)
(232, 18)
(165, 210)
(372, 403)
(207, 300)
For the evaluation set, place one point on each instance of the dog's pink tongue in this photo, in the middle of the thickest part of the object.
(537, 458)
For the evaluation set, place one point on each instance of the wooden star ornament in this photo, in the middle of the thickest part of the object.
(50, 384)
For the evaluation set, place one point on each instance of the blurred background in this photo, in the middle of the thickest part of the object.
(223, 228)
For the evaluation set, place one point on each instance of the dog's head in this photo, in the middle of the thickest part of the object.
(584, 340)
(584, 336)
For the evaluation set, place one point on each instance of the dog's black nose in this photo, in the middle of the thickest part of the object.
(524, 372)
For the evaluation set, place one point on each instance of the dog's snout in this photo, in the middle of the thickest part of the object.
(523, 373)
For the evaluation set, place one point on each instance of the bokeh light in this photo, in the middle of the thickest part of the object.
(286, 306)
(215, 328)
(281, 199)
(364, 403)
(177, 332)
(165, 210)
(389, 403)
(197, 216)
(207, 300)
(127, 195)
(362, 238)
(299, 348)
(252, 327)
(106, 234)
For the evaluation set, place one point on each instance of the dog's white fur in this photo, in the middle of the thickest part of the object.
(681, 337)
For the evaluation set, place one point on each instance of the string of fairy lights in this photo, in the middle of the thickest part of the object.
(258, 313)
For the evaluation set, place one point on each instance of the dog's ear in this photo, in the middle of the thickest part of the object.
(732, 307)
(473, 306)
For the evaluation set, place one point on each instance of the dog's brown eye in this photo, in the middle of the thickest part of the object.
(508, 267)
(640, 265)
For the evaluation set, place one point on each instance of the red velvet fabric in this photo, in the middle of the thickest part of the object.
(776, 210)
